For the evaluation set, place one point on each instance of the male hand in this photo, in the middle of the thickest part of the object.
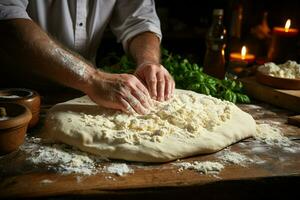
(119, 91)
(157, 79)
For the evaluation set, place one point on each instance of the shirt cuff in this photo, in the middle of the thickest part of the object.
(12, 12)
(138, 30)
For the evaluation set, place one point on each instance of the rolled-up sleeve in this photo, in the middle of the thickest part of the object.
(13, 9)
(132, 17)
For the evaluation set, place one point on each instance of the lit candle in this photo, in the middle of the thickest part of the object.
(242, 56)
(286, 30)
(283, 44)
(239, 61)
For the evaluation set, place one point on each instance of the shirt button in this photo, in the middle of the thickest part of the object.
(80, 24)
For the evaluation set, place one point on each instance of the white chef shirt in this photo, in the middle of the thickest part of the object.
(80, 24)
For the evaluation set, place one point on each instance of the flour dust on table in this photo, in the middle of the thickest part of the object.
(186, 125)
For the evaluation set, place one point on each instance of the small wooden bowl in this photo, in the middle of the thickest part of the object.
(27, 97)
(13, 126)
(276, 82)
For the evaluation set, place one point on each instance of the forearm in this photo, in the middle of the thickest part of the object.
(31, 48)
(145, 48)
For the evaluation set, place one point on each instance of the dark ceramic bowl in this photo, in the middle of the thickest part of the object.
(27, 97)
(13, 126)
(277, 82)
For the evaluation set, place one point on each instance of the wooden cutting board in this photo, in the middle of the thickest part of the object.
(274, 171)
(289, 99)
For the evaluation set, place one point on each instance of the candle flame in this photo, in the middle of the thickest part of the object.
(243, 52)
(287, 25)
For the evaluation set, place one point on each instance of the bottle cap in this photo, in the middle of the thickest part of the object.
(218, 12)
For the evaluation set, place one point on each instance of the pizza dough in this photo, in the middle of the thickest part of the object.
(187, 125)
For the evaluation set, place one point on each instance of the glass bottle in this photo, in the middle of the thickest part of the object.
(234, 34)
(235, 31)
(214, 60)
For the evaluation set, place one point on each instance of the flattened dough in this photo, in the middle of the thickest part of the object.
(188, 124)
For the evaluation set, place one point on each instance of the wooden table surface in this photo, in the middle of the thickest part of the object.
(275, 173)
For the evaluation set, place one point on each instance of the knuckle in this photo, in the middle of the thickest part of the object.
(169, 77)
(153, 80)
(153, 66)
(126, 77)
(161, 80)
(131, 80)
(131, 77)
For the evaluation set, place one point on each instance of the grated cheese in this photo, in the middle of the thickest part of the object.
(187, 114)
(289, 69)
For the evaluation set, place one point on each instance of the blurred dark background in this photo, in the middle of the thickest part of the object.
(185, 23)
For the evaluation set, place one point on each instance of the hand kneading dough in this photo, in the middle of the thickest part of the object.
(186, 125)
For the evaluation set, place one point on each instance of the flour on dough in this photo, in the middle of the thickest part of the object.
(187, 125)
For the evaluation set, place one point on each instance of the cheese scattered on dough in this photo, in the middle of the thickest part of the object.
(187, 115)
(206, 167)
(289, 69)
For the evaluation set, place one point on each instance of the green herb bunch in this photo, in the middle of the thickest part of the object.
(188, 76)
